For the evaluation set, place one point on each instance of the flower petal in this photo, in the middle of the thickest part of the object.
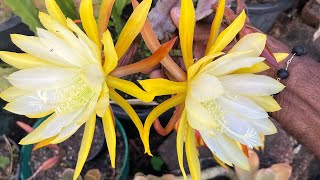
(180, 139)
(192, 153)
(186, 31)
(50, 127)
(89, 22)
(263, 126)
(132, 27)
(254, 42)
(268, 103)
(104, 15)
(43, 78)
(110, 54)
(85, 144)
(226, 149)
(251, 85)
(12, 93)
(205, 87)
(159, 87)
(55, 11)
(110, 134)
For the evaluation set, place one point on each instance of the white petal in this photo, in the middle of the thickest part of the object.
(251, 85)
(51, 127)
(231, 62)
(263, 126)
(240, 130)
(205, 87)
(43, 78)
(254, 42)
(225, 149)
(242, 106)
(12, 93)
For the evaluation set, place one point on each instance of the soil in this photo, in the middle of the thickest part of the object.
(69, 153)
(260, 1)
(10, 151)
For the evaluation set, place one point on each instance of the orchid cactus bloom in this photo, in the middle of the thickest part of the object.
(64, 75)
(222, 99)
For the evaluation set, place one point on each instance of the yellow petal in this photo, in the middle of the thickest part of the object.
(160, 86)
(228, 34)
(253, 42)
(88, 21)
(110, 54)
(261, 66)
(44, 143)
(110, 134)
(192, 153)
(129, 110)
(215, 27)
(22, 60)
(132, 27)
(266, 102)
(129, 88)
(156, 112)
(186, 31)
(180, 141)
(85, 144)
(104, 15)
(12, 93)
(55, 12)
(103, 102)
(192, 71)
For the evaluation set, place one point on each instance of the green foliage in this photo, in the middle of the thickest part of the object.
(156, 163)
(68, 8)
(116, 13)
(26, 10)
(4, 161)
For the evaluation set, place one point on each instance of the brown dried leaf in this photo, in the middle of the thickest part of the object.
(204, 8)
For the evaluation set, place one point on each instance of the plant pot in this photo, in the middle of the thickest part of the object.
(68, 161)
(13, 26)
(9, 157)
(263, 15)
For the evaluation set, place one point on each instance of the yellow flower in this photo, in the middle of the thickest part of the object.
(223, 100)
(63, 75)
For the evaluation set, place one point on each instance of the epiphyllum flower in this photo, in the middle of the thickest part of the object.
(221, 99)
(63, 74)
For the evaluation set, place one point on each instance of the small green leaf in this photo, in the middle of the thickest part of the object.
(4, 161)
(68, 8)
(156, 163)
(26, 10)
(68, 175)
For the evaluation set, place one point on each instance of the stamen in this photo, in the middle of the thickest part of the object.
(217, 115)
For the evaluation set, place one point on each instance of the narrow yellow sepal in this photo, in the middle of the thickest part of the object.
(104, 15)
(160, 86)
(22, 60)
(88, 21)
(55, 12)
(186, 31)
(44, 143)
(156, 112)
(110, 134)
(85, 144)
(103, 101)
(228, 34)
(132, 27)
(180, 141)
(268, 103)
(216, 24)
(192, 153)
(110, 54)
(129, 88)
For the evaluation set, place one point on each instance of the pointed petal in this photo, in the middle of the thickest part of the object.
(129, 110)
(159, 87)
(216, 24)
(110, 54)
(180, 140)
(110, 134)
(104, 15)
(85, 144)
(22, 60)
(186, 31)
(261, 66)
(251, 85)
(43, 78)
(226, 149)
(228, 34)
(132, 27)
(55, 11)
(50, 127)
(103, 102)
(88, 21)
(129, 88)
(268, 103)
(263, 126)
(192, 153)
(254, 42)
(156, 112)
(43, 143)
(12, 93)
(231, 62)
